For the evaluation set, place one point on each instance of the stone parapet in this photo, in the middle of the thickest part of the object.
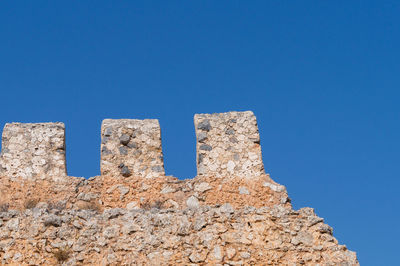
(228, 145)
(131, 147)
(33, 150)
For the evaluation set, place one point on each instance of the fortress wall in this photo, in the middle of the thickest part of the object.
(228, 144)
(33, 150)
(131, 147)
(231, 214)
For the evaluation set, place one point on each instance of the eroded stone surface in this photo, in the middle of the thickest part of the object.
(231, 214)
(228, 144)
(131, 147)
(33, 150)
(203, 236)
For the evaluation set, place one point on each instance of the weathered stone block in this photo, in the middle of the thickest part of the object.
(228, 144)
(33, 150)
(131, 147)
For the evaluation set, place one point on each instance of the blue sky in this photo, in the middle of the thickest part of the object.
(321, 76)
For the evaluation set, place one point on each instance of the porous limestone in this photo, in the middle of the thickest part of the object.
(33, 151)
(232, 213)
(228, 145)
(200, 236)
(131, 147)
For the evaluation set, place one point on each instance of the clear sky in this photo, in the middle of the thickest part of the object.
(322, 77)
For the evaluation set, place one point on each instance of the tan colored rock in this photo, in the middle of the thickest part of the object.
(31, 151)
(131, 147)
(231, 214)
(228, 145)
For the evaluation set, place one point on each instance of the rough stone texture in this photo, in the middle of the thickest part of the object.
(228, 144)
(131, 147)
(109, 191)
(122, 218)
(33, 150)
(200, 236)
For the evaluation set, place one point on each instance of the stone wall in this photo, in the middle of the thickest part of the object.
(33, 150)
(217, 235)
(228, 144)
(131, 147)
(232, 213)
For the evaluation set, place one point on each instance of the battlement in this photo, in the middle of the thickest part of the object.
(230, 213)
(33, 150)
(228, 145)
(131, 147)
